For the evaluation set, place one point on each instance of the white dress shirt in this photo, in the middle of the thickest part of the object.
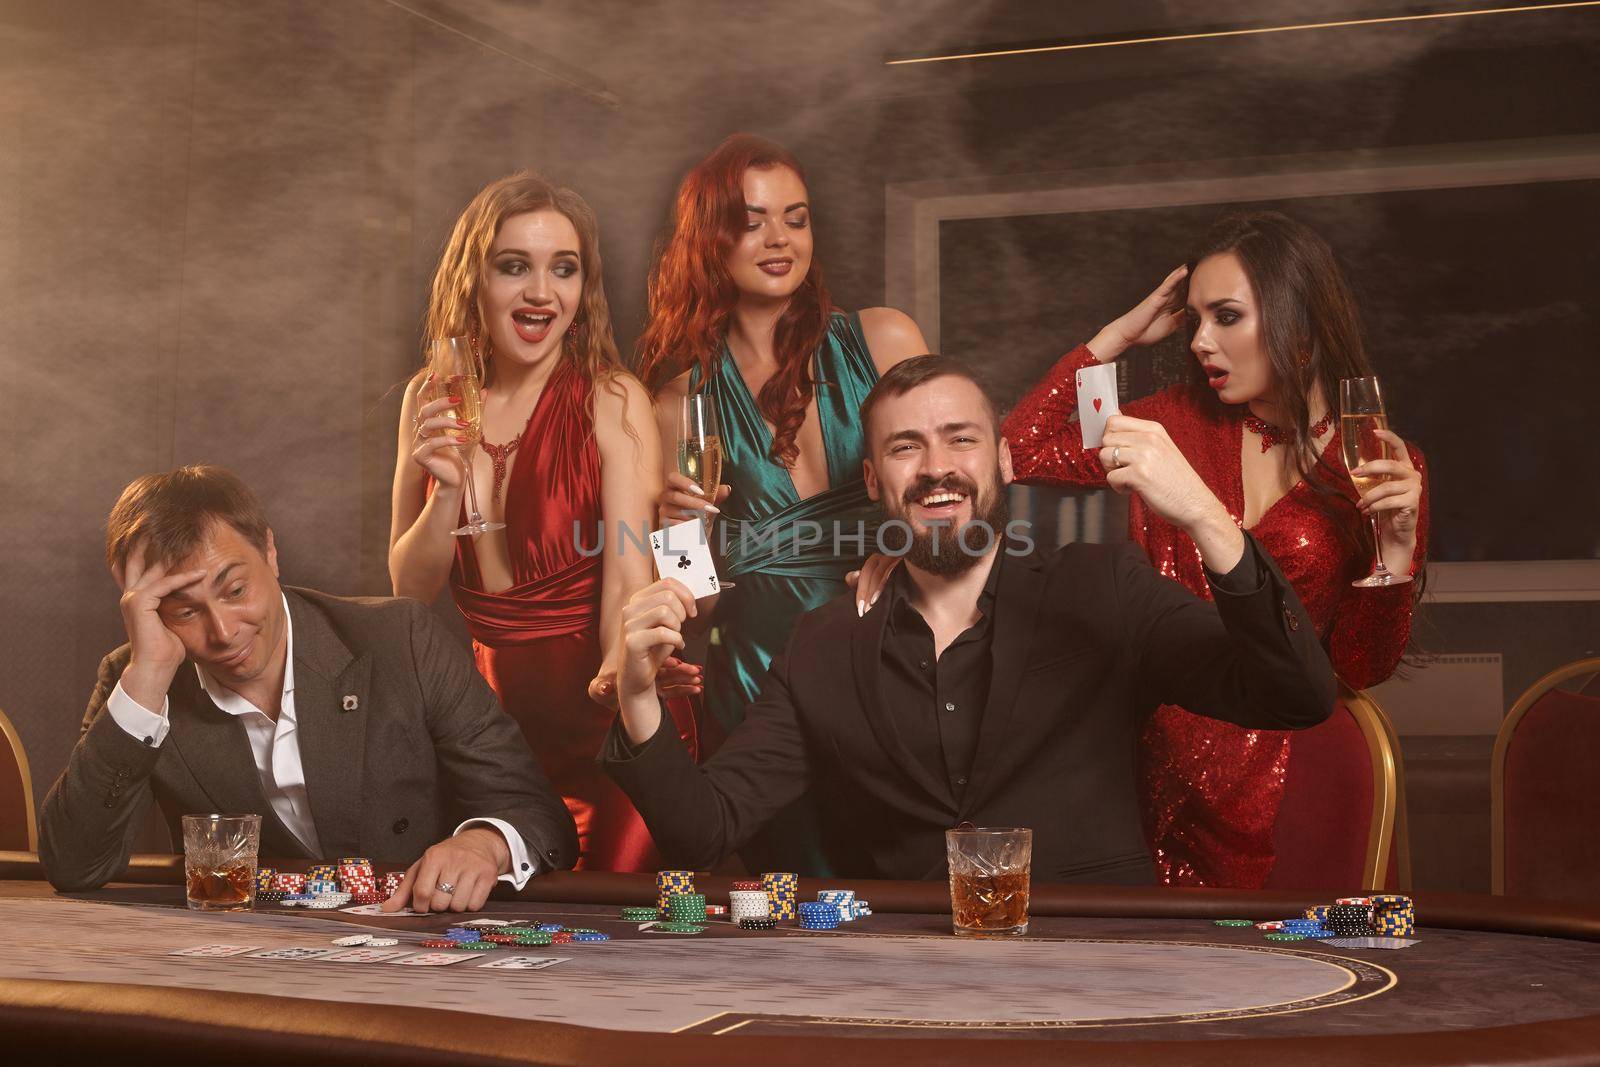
(276, 748)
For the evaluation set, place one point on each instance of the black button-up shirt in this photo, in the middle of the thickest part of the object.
(937, 702)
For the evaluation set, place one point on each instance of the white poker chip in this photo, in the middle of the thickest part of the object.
(324, 905)
(352, 940)
(290, 903)
(382, 942)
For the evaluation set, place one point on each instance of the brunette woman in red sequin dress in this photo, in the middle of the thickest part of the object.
(1273, 328)
(569, 445)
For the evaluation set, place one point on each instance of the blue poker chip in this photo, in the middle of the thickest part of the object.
(591, 936)
(551, 928)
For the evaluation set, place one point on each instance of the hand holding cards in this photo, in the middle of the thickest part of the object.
(1097, 401)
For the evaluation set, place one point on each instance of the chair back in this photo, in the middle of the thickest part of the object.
(1336, 822)
(18, 830)
(1542, 791)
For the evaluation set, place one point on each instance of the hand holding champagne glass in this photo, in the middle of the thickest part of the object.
(454, 372)
(700, 449)
(1362, 428)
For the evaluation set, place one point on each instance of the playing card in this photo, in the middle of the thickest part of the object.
(525, 963)
(683, 552)
(1097, 401)
(366, 955)
(376, 909)
(431, 959)
(213, 950)
(1369, 942)
(293, 954)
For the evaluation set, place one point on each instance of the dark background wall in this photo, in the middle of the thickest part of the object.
(218, 218)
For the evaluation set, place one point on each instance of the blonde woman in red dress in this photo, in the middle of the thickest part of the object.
(1273, 328)
(569, 446)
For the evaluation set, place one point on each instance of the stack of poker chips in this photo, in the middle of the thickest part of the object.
(670, 882)
(1393, 915)
(843, 899)
(686, 908)
(1319, 913)
(391, 883)
(357, 878)
(289, 882)
(1351, 917)
(1310, 928)
(749, 904)
(322, 872)
(783, 891)
(264, 890)
(818, 915)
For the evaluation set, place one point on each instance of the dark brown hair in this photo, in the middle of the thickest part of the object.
(172, 513)
(1311, 330)
(693, 294)
(908, 374)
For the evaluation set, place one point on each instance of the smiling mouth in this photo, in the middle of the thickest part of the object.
(941, 501)
(238, 657)
(776, 266)
(532, 326)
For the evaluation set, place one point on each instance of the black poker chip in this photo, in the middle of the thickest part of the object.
(758, 924)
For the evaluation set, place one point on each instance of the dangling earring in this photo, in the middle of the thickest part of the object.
(475, 339)
(575, 332)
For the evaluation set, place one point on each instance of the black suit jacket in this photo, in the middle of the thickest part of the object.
(1087, 641)
(423, 745)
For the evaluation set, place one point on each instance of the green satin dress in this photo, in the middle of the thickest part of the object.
(778, 573)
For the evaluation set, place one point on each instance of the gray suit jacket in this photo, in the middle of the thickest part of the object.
(423, 745)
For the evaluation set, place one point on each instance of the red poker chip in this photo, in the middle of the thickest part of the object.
(1362, 901)
(560, 937)
(438, 942)
(747, 885)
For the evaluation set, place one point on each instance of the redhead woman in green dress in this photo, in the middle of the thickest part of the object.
(739, 312)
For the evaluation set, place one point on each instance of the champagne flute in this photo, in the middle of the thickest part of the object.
(1361, 414)
(455, 373)
(700, 443)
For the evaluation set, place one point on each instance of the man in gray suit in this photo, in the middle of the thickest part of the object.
(351, 726)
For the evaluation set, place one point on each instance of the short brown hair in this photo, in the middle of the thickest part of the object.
(171, 513)
(919, 370)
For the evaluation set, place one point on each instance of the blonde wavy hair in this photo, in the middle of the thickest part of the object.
(453, 307)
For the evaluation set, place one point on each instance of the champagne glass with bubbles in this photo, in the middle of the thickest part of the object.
(1361, 415)
(455, 374)
(700, 443)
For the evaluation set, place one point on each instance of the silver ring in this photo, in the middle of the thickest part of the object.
(1116, 457)
(446, 887)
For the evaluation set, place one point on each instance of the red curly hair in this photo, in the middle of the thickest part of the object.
(693, 295)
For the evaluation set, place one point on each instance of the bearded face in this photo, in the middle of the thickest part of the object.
(945, 544)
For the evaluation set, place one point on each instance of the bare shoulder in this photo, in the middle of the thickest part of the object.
(891, 336)
(620, 396)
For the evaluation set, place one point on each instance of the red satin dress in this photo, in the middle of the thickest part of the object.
(537, 643)
(1210, 790)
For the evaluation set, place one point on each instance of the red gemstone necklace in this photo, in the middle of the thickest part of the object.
(500, 455)
(1270, 435)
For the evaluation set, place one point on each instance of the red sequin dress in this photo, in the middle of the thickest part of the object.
(538, 642)
(1211, 790)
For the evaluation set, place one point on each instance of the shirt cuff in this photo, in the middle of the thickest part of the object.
(523, 866)
(1247, 576)
(137, 721)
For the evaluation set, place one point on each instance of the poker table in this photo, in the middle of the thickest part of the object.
(1104, 975)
